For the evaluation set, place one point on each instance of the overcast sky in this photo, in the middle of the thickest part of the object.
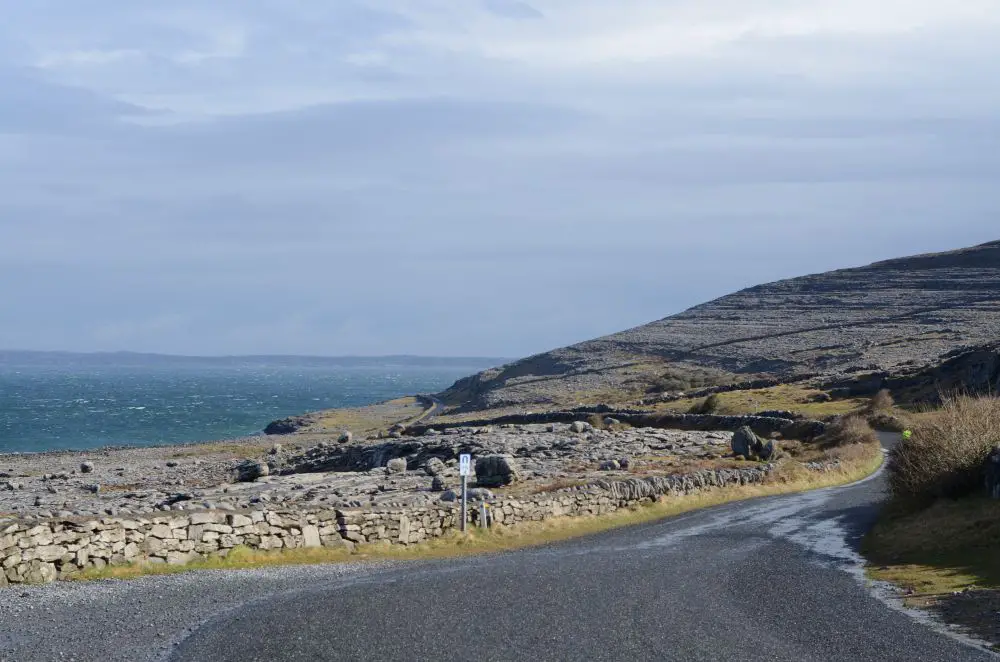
(469, 177)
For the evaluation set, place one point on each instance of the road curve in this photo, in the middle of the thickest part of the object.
(772, 579)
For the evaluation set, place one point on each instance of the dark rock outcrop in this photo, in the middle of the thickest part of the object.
(288, 425)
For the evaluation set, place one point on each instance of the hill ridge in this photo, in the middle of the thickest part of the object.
(894, 316)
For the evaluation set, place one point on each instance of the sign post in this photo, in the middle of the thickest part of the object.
(464, 468)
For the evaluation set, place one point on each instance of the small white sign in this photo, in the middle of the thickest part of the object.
(464, 464)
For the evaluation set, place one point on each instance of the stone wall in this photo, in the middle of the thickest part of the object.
(43, 551)
(762, 425)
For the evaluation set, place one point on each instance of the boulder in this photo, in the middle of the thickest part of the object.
(396, 465)
(479, 494)
(768, 450)
(434, 466)
(496, 471)
(250, 470)
(286, 425)
(449, 496)
(610, 465)
(345, 437)
(438, 484)
(87, 467)
(579, 427)
(39, 572)
(744, 442)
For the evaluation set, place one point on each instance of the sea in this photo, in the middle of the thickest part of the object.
(56, 401)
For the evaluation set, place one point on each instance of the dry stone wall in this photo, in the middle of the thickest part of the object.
(40, 552)
(762, 425)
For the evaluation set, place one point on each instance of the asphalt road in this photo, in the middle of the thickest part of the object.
(771, 579)
(774, 579)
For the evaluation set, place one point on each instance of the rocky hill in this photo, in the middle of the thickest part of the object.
(900, 316)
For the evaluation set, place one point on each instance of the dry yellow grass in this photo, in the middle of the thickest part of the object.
(528, 534)
(945, 455)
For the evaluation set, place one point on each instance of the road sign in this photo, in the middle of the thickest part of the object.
(464, 468)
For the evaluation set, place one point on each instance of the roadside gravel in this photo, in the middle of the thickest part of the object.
(142, 619)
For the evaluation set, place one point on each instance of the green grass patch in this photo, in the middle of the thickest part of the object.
(950, 546)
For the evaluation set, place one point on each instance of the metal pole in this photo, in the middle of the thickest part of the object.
(465, 500)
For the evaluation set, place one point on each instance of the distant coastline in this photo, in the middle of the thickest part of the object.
(34, 357)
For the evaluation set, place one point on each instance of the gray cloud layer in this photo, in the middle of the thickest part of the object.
(464, 177)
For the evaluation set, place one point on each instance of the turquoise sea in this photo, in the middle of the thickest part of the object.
(59, 401)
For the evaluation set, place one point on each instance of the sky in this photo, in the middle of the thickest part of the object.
(469, 177)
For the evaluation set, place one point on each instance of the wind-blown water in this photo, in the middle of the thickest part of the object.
(71, 402)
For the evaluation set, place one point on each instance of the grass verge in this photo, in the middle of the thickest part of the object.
(951, 546)
(529, 534)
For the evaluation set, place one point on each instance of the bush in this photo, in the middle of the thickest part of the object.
(946, 453)
(848, 430)
(710, 405)
(682, 378)
(882, 402)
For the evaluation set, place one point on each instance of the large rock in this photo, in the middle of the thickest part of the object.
(39, 572)
(397, 465)
(768, 450)
(579, 427)
(745, 442)
(286, 425)
(87, 467)
(435, 466)
(250, 470)
(496, 471)
(479, 494)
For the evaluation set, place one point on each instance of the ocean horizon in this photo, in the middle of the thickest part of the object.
(65, 401)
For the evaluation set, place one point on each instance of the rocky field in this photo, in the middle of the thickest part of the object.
(342, 472)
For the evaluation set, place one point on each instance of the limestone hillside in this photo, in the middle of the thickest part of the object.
(900, 316)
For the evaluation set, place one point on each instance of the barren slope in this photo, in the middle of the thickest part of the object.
(891, 316)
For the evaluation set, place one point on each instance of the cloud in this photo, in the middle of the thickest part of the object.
(477, 177)
(513, 9)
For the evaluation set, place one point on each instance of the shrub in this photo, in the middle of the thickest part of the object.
(682, 378)
(847, 430)
(882, 402)
(945, 455)
(710, 405)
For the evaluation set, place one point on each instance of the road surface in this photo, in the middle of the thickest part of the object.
(772, 579)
